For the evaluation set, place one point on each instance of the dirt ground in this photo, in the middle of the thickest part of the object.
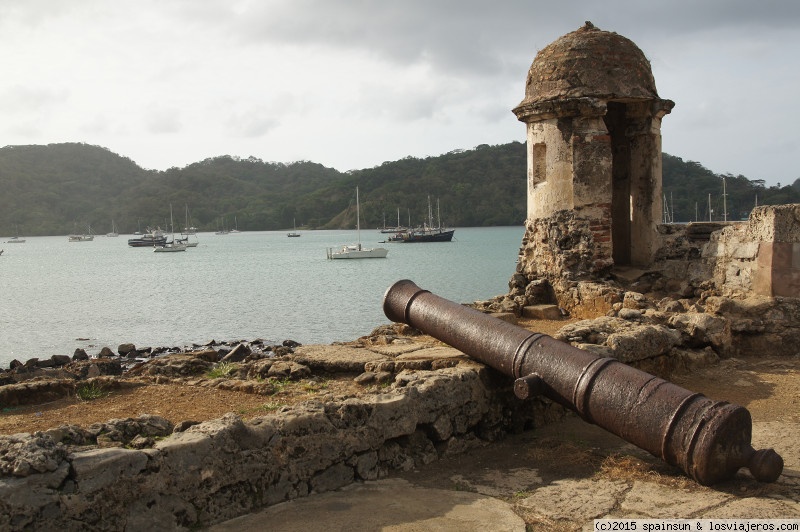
(174, 402)
(769, 387)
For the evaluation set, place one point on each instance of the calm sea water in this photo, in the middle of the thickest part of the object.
(56, 296)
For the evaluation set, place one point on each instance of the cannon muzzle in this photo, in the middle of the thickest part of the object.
(708, 440)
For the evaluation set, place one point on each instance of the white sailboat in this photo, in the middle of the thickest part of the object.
(356, 251)
(16, 239)
(174, 245)
(82, 237)
(235, 225)
(293, 233)
(188, 231)
(113, 230)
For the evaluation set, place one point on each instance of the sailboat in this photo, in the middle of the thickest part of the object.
(174, 245)
(293, 233)
(356, 251)
(222, 231)
(396, 229)
(188, 231)
(113, 230)
(16, 239)
(82, 237)
(428, 232)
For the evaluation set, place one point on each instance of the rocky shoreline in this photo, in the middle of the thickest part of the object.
(37, 375)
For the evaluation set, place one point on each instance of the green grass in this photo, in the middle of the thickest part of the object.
(223, 369)
(281, 383)
(89, 392)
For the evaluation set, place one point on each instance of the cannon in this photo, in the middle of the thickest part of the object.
(708, 440)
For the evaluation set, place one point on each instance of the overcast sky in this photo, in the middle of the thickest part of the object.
(351, 84)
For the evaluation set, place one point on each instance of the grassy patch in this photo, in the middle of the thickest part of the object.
(315, 386)
(266, 408)
(222, 370)
(89, 392)
(281, 384)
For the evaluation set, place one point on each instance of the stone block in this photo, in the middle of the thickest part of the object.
(542, 312)
(505, 316)
(100, 468)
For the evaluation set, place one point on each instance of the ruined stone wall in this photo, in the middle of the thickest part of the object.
(224, 468)
(740, 259)
(760, 257)
(565, 259)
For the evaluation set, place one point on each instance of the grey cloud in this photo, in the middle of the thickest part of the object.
(478, 36)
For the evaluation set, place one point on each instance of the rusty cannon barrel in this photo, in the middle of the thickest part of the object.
(708, 440)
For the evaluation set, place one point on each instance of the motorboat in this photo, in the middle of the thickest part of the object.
(153, 237)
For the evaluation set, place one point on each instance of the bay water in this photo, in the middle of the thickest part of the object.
(56, 295)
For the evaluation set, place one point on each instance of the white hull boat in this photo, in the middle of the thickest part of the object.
(356, 251)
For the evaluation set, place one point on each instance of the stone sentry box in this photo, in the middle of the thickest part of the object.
(593, 119)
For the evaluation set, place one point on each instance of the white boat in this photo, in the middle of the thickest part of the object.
(173, 246)
(293, 233)
(16, 239)
(82, 237)
(113, 230)
(186, 242)
(235, 226)
(187, 232)
(396, 229)
(356, 251)
(189, 229)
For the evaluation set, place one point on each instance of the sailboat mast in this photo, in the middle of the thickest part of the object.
(358, 220)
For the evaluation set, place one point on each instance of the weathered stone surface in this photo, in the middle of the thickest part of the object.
(288, 370)
(209, 355)
(630, 314)
(237, 354)
(105, 352)
(642, 342)
(510, 317)
(542, 312)
(701, 330)
(124, 349)
(594, 331)
(29, 392)
(337, 358)
(97, 469)
(574, 499)
(25, 454)
(175, 365)
(754, 508)
(648, 500)
(95, 367)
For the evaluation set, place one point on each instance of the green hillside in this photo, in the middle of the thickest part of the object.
(61, 188)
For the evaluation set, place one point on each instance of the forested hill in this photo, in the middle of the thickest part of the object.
(62, 188)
